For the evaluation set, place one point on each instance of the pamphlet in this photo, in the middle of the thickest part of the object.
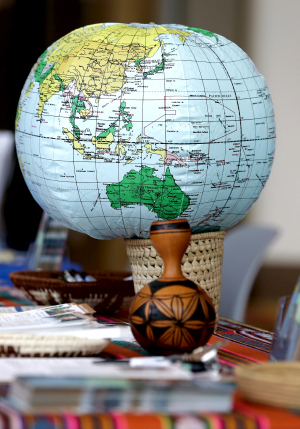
(64, 320)
(11, 368)
(47, 317)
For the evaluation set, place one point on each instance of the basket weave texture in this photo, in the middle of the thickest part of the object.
(107, 294)
(35, 345)
(273, 383)
(201, 263)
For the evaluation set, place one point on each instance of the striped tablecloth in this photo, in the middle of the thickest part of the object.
(246, 344)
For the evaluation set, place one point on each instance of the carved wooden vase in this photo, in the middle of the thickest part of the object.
(171, 314)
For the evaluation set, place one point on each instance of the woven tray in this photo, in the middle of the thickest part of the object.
(274, 383)
(34, 345)
(109, 293)
(201, 263)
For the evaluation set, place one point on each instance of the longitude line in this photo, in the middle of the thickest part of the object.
(208, 120)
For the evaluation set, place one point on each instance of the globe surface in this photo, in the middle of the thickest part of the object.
(121, 125)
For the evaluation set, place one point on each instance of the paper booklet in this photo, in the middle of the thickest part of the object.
(90, 367)
(57, 316)
(71, 319)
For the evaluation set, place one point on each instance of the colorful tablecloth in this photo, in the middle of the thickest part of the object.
(245, 345)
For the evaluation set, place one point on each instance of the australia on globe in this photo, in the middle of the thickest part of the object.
(120, 125)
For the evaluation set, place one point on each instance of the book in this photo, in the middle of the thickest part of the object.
(87, 395)
(87, 367)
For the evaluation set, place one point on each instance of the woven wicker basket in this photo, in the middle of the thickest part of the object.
(107, 294)
(273, 383)
(201, 263)
(35, 345)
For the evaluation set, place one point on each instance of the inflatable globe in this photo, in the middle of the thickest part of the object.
(120, 125)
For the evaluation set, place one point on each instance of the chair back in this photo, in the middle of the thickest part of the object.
(244, 250)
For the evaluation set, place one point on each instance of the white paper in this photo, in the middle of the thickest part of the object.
(43, 317)
(10, 368)
(15, 309)
(37, 314)
(150, 362)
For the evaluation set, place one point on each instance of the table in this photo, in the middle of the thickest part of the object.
(245, 345)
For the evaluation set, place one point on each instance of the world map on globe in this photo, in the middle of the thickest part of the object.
(120, 125)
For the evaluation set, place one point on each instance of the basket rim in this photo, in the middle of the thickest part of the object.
(39, 345)
(272, 373)
(200, 236)
(39, 279)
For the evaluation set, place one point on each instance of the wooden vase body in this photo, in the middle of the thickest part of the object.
(171, 314)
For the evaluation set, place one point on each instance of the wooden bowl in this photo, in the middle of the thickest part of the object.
(110, 292)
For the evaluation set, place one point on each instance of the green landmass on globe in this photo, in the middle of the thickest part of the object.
(163, 197)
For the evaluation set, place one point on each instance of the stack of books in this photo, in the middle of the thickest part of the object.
(87, 395)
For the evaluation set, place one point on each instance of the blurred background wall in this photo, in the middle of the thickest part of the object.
(273, 31)
(267, 30)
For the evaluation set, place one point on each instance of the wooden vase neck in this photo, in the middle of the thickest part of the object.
(171, 239)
